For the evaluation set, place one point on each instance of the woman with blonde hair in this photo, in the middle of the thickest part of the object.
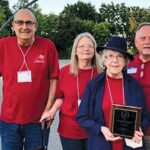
(84, 65)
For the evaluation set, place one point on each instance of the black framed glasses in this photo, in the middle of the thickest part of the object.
(118, 57)
(27, 23)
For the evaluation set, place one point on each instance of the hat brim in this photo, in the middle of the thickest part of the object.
(101, 48)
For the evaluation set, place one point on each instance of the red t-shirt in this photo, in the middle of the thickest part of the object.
(141, 72)
(117, 96)
(24, 102)
(68, 126)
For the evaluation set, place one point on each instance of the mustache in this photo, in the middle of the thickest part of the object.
(25, 31)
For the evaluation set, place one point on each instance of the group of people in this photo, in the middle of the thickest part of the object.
(35, 88)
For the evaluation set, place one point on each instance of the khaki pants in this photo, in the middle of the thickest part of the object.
(147, 142)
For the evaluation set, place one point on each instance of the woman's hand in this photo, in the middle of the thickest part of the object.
(48, 117)
(108, 135)
(138, 135)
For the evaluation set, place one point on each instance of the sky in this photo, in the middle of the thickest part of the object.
(56, 6)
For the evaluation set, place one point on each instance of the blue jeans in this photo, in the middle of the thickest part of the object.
(73, 144)
(17, 137)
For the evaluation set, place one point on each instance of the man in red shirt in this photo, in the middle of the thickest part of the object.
(140, 67)
(29, 69)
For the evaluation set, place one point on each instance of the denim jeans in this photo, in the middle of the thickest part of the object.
(73, 144)
(19, 137)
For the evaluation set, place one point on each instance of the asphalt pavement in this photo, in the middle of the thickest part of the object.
(54, 141)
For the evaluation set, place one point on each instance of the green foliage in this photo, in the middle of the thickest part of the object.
(2, 16)
(20, 4)
(5, 13)
(47, 25)
(117, 16)
(101, 32)
(74, 19)
(82, 17)
(84, 11)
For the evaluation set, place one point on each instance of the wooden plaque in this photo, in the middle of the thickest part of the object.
(125, 120)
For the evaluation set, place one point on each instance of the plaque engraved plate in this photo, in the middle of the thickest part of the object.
(125, 120)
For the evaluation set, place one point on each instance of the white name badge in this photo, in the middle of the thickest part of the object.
(24, 76)
(132, 70)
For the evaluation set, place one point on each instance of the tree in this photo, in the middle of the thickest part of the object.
(83, 11)
(2, 16)
(74, 19)
(123, 20)
(5, 13)
(23, 3)
(101, 32)
(117, 16)
(48, 26)
(82, 17)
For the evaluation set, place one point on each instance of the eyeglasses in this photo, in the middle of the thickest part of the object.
(142, 71)
(21, 23)
(111, 57)
(86, 46)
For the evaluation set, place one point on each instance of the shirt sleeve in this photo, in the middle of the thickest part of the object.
(53, 62)
(59, 92)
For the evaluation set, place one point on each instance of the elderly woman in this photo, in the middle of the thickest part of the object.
(84, 65)
(112, 86)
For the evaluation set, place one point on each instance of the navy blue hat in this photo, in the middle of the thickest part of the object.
(116, 43)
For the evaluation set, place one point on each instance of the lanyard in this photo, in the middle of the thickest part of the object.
(24, 57)
(110, 93)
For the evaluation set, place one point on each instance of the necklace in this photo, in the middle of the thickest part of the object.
(110, 94)
(78, 88)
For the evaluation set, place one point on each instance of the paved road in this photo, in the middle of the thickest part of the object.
(54, 141)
